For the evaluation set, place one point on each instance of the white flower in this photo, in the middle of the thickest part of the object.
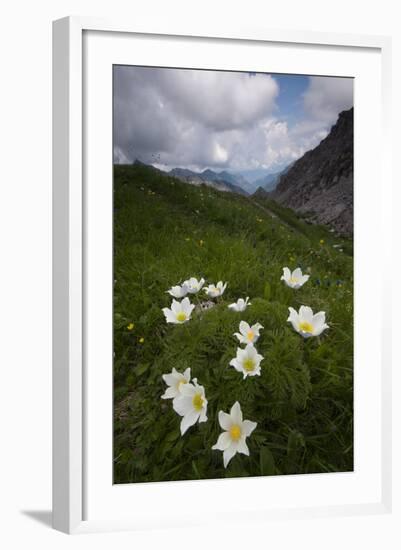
(193, 285)
(248, 334)
(174, 381)
(240, 304)
(294, 279)
(178, 291)
(232, 440)
(247, 361)
(191, 404)
(180, 312)
(213, 291)
(306, 323)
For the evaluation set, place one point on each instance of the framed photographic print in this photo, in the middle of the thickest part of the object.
(218, 326)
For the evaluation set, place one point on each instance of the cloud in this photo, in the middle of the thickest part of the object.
(326, 97)
(220, 100)
(198, 119)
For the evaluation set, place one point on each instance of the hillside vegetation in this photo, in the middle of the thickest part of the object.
(166, 231)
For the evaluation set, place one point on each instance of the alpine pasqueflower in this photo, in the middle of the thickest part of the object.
(306, 323)
(294, 279)
(233, 439)
(248, 334)
(178, 291)
(191, 404)
(214, 291)
(240, 304)
(174, 381)
(193, 285)
(247, 361)
(180, 312)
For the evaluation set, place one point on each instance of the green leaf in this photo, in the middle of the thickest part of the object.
(295, 441)
(141, 369)
(172, 436)
(196, 471)
(267, 467)
(267, 291)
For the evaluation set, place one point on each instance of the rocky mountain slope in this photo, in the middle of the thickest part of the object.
(320, 184)
(270, 181)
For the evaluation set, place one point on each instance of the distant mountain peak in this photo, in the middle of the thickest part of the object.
(222, 181)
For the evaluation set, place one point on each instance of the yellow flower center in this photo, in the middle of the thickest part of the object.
(250, 335)
(182, 381)
(235, 432)
(249, 365)
(305, 326)
(197, 402)
(293, 280)
(181, 316)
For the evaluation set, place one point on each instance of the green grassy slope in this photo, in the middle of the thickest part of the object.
(166, 231)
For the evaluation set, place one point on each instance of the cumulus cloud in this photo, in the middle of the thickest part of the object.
(328, 96)
(198, 119)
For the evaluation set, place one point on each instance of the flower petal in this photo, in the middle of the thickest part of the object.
(188, 390)
(306, 313)
(236, 413)
(188, 420)
(250, 351)
(248, 426)
(244, 328)
(169, 315)
(241, 338)
(236, 364)
(229, 453)
(182, 404)
(202, 415)
(170, 393)
(293, 316)
(318, 332)
(297, 273)
(242, 447)
(225, 420)
(319, 320)
(223, 442)
(170, 379)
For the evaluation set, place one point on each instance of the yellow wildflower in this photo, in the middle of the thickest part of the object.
(141, 340)
(130, 326)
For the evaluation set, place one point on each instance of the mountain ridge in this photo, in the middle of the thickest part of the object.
(222, 181)
(319, 185)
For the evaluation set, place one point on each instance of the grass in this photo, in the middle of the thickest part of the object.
(166, 231)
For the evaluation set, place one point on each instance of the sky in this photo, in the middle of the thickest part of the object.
(236, 121)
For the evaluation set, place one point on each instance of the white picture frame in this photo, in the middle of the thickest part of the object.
(72, 425)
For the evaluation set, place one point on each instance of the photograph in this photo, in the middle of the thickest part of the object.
(233, 333)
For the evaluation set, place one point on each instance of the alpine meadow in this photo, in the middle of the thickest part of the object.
(233, 275)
